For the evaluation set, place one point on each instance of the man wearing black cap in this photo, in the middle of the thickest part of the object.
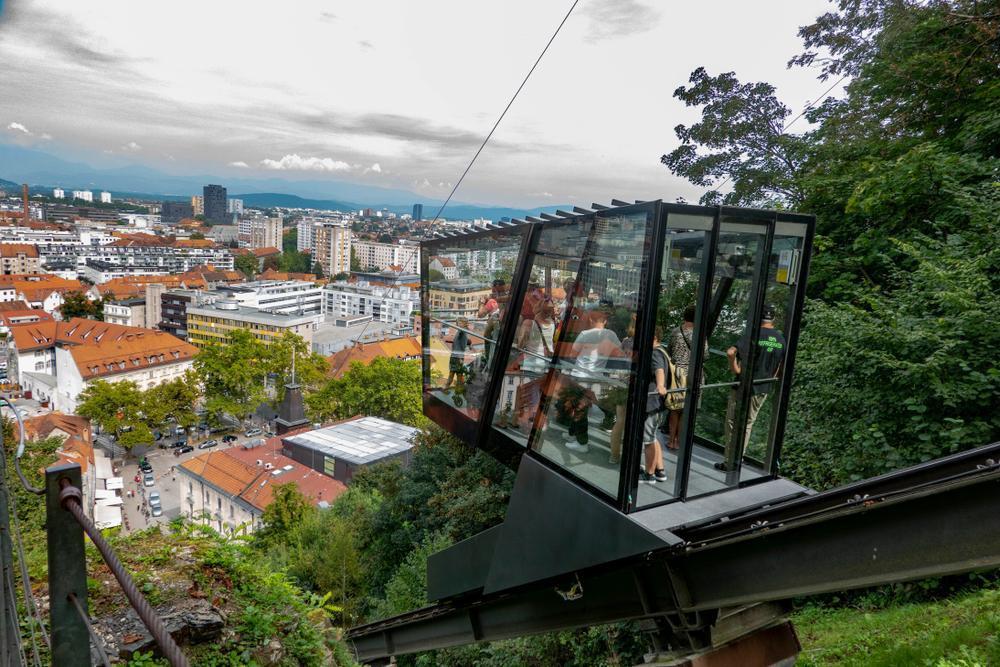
(768, 356)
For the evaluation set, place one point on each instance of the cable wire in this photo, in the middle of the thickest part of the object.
(20, 450)
(69, 498)
(98, 644)
(480, 150)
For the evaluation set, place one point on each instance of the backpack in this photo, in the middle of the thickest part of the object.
(676, 378)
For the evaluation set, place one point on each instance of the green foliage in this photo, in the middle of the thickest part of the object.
(287, 511)
(407, 589)
(290, 240)
(294, 261)
(246, 264)
(317, 270)
(197, 236)
(233, 374)
(355, 262)
(388, 388)
(118, 408)
(961, 631)
(742, 129)
(909, 377)
(895, 359)
(78, 304)
(340, 276)
(447, 490)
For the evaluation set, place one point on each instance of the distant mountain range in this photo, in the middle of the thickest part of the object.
(43, 171)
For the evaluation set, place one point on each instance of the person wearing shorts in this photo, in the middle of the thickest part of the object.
(653, 471)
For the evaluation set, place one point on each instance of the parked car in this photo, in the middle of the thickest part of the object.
(156, 510)
(148, 479)
(179, 430)
(208, 444)
(253, 432)
(154, 497)
(180, 443)
(146, 467)
(183, 450)
(229, 438)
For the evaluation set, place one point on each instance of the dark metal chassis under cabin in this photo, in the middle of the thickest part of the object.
(539, 348)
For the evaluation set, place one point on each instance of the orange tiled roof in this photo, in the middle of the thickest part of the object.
(13, 305)
(407, 347)
(194, 243)
(13, 249)
(236, 473)
(24, 315)
(222, 471)
(41, 426)
(100, 349)
(265, 252)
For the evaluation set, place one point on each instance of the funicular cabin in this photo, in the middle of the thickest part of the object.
(554, 356)
(541, 341)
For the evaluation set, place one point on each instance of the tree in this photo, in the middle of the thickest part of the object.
(310, 368)
(272, 263)
(78, 304)
(118, 408)
(247, 264)
(341, 276)
(901, 174)
(741, 137)
(197, 236)
(387, 388)
(290, 241)
(173, 400)
(287, 510)
(317, 270)
(233, 374)
(355, 262)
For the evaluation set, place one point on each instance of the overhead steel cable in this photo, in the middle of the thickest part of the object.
(480, 150)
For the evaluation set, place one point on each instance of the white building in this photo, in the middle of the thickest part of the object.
(333, 247)
(58, 193)
(64, 358)
(105, 197)
(306, 235)
(394, 305)
(265, 232)
(402, 256)
(85, 195)
(445, 266)
(235, 206)
(279, 296)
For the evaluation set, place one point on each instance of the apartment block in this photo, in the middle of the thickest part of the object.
(212, 323)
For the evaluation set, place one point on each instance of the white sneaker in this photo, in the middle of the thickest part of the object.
(577, 447)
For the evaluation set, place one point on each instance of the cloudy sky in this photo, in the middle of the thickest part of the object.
(392, 93)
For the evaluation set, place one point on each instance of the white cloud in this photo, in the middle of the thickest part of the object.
(239, 163)
(376, 168)
(132, 147)
(17, 127)
(296, 162)
(45, 136)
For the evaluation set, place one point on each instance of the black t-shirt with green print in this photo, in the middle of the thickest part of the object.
(768, 355)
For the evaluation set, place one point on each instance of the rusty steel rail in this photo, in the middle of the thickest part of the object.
(69, 499)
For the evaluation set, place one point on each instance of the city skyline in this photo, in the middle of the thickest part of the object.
(265, 98)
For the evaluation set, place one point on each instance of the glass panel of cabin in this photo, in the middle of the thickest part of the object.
(731, 397)
(466, 294)
(686, 240)
(592, 270)
(552, 271)
(774, 345)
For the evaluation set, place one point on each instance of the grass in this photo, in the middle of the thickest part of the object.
(962, 631)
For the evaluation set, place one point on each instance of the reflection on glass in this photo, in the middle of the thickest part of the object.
(591, 273)
(680, 276)
(466, 303)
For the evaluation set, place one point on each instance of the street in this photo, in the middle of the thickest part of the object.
(136, 508)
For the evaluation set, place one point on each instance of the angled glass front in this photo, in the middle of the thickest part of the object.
(466, 292)
(644, 351)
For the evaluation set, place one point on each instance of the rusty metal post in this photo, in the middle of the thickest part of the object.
(67, 572)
